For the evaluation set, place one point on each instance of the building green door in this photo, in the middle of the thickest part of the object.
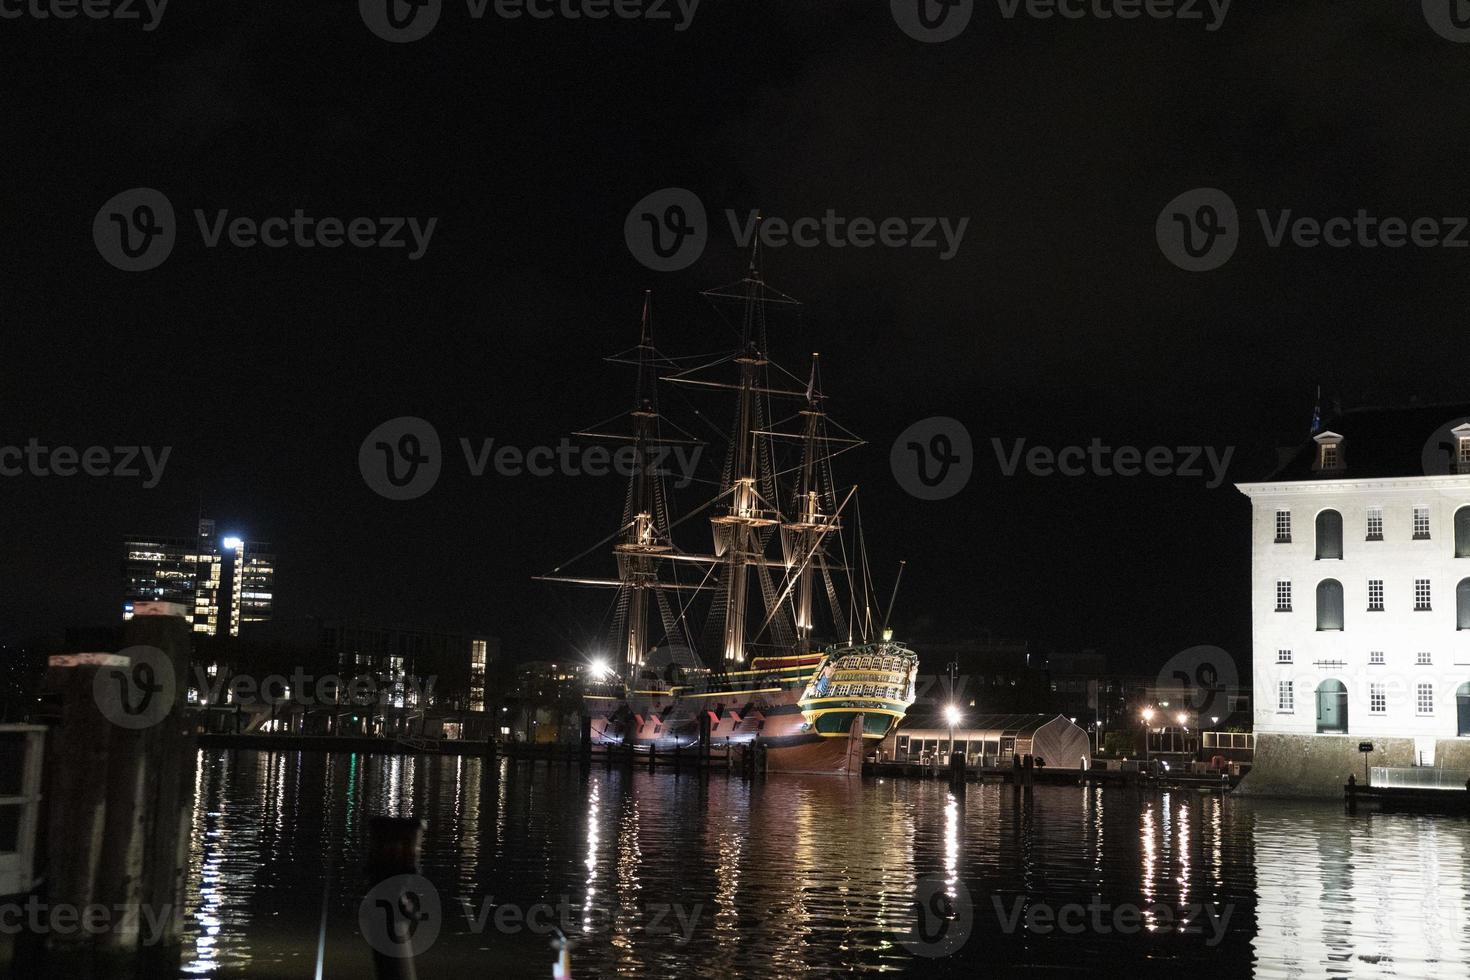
(1332, 708)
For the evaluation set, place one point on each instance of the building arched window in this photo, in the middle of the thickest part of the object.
(1462, 605)
(1332, 707)
(1462, 532)
(1329, 534)
(1329, 604)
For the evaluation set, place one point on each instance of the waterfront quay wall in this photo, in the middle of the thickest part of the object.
(1318, 766)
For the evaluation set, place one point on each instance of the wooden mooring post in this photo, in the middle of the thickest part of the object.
(119, 796)
(394, 848)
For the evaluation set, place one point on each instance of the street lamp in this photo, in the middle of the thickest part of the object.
(1148, 716)
(952, 715)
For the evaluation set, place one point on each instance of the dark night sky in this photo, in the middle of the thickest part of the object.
(1058, 321)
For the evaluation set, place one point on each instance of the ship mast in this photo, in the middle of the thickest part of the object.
(641, 535)
(736, 530)
(746, 512)
(643, 539)
(811, 524)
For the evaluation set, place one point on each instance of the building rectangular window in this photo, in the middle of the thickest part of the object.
(1285, 697)
(1330, 458)
(1375, 595)
(1422, 659)
(1377, 699)
(1283, 527)
(1421, 523)
(1375, 656)
(1424, 698)
(1283, 596)
(1421, 595)
(1283, 656)
(1375, 523)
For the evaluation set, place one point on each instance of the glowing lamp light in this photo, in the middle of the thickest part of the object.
(599, 668)
(1148, 714)
(233, 544)
(952, 715)
(1183, 719)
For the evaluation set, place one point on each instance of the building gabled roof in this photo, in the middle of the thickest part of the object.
(1382, 442)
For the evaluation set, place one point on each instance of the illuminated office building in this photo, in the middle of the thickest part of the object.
(223, 582)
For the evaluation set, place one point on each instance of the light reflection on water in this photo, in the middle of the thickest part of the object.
(794, 876)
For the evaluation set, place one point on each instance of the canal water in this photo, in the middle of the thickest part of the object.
(662, 876)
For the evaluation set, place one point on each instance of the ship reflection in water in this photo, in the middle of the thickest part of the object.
(665, 876)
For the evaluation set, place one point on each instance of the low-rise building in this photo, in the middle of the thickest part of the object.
(1360, 600)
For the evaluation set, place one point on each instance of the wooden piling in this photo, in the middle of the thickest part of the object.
(150, 787)
(394, 848)
(75, 797)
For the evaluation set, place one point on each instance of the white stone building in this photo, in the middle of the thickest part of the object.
(1360, 599)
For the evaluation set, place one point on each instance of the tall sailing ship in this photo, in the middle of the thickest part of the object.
(723, 646)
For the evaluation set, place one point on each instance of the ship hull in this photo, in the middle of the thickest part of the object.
(776, 725)
(808, 717)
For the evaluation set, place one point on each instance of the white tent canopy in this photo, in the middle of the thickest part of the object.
(1053, 739)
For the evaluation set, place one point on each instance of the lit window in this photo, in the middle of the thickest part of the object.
(1283, 656)
(1377, 699)
(1462, 449)
(1283, 526)
(1285, 697)
(1424, 699)
(1375, 595)
(1421, 523)
(1375, 656)
(1422, 659)
(1329, 456)
(1283, 596)
(1421, 595)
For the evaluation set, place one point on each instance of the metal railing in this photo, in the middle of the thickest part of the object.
(21, 789)
(1394, 777)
